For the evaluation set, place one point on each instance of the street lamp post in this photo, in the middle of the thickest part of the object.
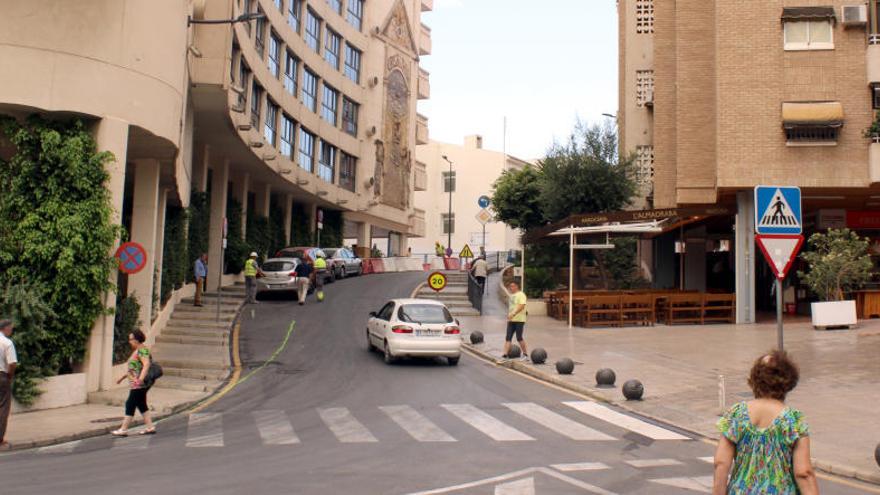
(449, 212)
(242, 18)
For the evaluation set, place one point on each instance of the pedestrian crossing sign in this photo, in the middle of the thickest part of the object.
(778, 210)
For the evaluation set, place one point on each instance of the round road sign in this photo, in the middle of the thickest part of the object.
(437, 281)
(483, 201)
(132, 258)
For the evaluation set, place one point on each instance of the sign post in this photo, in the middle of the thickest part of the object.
(778, 224)
(437, 281)
(484, 217)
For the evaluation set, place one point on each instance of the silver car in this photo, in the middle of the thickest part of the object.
(343, 261)
(280, 276)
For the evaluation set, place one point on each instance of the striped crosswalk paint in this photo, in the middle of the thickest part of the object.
(556, 422)
(346, 428)
(701, 484)
(205, 430)
(580, 466)
(416, 424)
(624, 421)
(649, 463)
(135, 442)
(61, 448)
(275, 427)
(486, 424)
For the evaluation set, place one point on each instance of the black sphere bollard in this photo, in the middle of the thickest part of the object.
(514, 351)
(564, 366)
(539, 355)
(877, 454)
(633, 390)
(476, 337)
(605, 377)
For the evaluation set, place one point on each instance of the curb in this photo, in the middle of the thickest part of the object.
(833, 469)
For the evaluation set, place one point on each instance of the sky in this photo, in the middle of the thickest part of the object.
(541, 64)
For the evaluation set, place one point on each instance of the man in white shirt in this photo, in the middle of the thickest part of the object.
(8, 363)
(481, 271)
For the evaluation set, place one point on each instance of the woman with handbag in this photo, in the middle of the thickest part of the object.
(138, 367)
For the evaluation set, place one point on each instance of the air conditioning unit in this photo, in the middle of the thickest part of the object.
(854, 15)
(649, 98)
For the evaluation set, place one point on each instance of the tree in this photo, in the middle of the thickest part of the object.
(585, 175)
(515, 198)
(839, 262)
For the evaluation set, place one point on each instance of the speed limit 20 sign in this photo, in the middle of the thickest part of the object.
(437, 281)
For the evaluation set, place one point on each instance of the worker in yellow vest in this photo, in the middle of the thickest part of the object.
(320, 274)
(251, 272)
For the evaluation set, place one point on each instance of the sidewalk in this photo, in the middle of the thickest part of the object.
(680, 367)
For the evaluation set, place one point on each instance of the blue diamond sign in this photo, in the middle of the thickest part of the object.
(778, 210)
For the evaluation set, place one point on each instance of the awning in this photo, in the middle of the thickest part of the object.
(808, 14)
(816, 113)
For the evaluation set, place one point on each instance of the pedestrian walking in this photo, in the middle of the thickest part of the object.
(516, 320)
(200, 273)
(481, 271)
(8, 363)
(251, 272)
(138, 366)
(320, 265)
(765, 442)
(303, 273)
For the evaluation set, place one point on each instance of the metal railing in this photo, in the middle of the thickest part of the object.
(475, 293)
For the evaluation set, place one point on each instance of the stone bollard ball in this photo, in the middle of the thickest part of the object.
(514, 351)
(476, 337)
(539, 355)
(605, 377)
(633, 390)
(564, 366)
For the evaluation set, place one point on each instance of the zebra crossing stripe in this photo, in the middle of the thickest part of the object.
(486, 424)
(698, 483)
(416, 424)
(580, 466)
(205, 430)
(649, 463)
(275, 428)
(624, 421)
(346, 428)
(556, 422)
(61, 448)
(135, 442)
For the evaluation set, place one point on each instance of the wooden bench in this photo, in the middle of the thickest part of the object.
(719, 308)
(603, 310)
(637, 309)
(684, 308)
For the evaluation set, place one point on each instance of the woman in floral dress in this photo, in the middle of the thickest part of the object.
(138, 365)
(765, 442)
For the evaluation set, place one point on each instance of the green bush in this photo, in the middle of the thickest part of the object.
(276, 227)
(331, 235)
(300, 235)
(56, 232)
(538, 280)
(621, 264)
(839, 262)
(127, 319)
(199, 228)
(259, 234)
(237, 249)
(24, 303)
(175, 256)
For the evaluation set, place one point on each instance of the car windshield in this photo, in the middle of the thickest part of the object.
(329, 252)
(424, 313)
(293, 253)
(278, 266)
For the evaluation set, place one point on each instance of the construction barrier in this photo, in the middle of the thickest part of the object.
(390, 264)
(452, 263)
(366, 267)
(378, 265)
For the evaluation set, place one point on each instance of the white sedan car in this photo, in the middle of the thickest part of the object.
(414, 327)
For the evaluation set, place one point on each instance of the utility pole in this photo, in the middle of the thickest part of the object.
(449, 183)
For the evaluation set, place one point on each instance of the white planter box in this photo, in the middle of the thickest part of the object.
(833, 314)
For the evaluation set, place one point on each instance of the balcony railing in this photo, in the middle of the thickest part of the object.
(421, 129)
(417, 223)
(420, 177)
(424, 86)
(427, 5)
(425, 40)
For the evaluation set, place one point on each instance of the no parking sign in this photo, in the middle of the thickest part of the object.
(132, 258)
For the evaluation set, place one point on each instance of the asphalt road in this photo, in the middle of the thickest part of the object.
(328, 417)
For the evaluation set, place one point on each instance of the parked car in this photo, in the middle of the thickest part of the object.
(414, 327)
(280, 276)
(344, 262)
(303, 252)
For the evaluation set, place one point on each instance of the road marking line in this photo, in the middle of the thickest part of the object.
(580, 466)
(473, 484)
(275, 428)
(708, 459)
(698, 484)
(205, 430)
(486, 424)
(556, 422)
(575, 482)
(346, 428)
(525, 486)
(416, 424)
(134, 442)
(648, 463)
(624, 421)
(61, 448)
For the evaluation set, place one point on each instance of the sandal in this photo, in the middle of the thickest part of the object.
(119, 433)
(148, 431)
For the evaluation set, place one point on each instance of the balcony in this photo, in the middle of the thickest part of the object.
(420, 177)
(873, 59)
(427, 5)
(424, 86)
(425, 40)
(421, 129)
(417, 223)
(874, 161)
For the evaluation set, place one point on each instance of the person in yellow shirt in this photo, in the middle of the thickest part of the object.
(251, 272)
(516, 320)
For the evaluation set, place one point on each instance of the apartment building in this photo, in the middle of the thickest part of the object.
(719, 97)
(297, 105)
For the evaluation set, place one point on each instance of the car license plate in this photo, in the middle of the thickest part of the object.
(427, 333)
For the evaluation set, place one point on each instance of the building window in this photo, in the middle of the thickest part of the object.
(294, 14)
(290, 68)
(352, 63)
(347, 171)
(355, 14)
(256, 97)
(287, 127)
(329, 104)
(644, 164)
(331, 49)
(336, 5)
(644, 16)
(812, 134)
(313, 31)
(644, 88)
(448, 182)
(309, 89)
(274, 61)
(244, 74)
(246, 9)
(277, 4)
(327, 162)
(260, 34)
(271, 121)
(448, 221)
(349, 116)
(808, 35)
(306, 149)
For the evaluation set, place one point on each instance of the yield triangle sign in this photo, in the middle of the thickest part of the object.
(779, 251)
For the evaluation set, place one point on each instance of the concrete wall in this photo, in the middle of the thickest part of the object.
(58, 391)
